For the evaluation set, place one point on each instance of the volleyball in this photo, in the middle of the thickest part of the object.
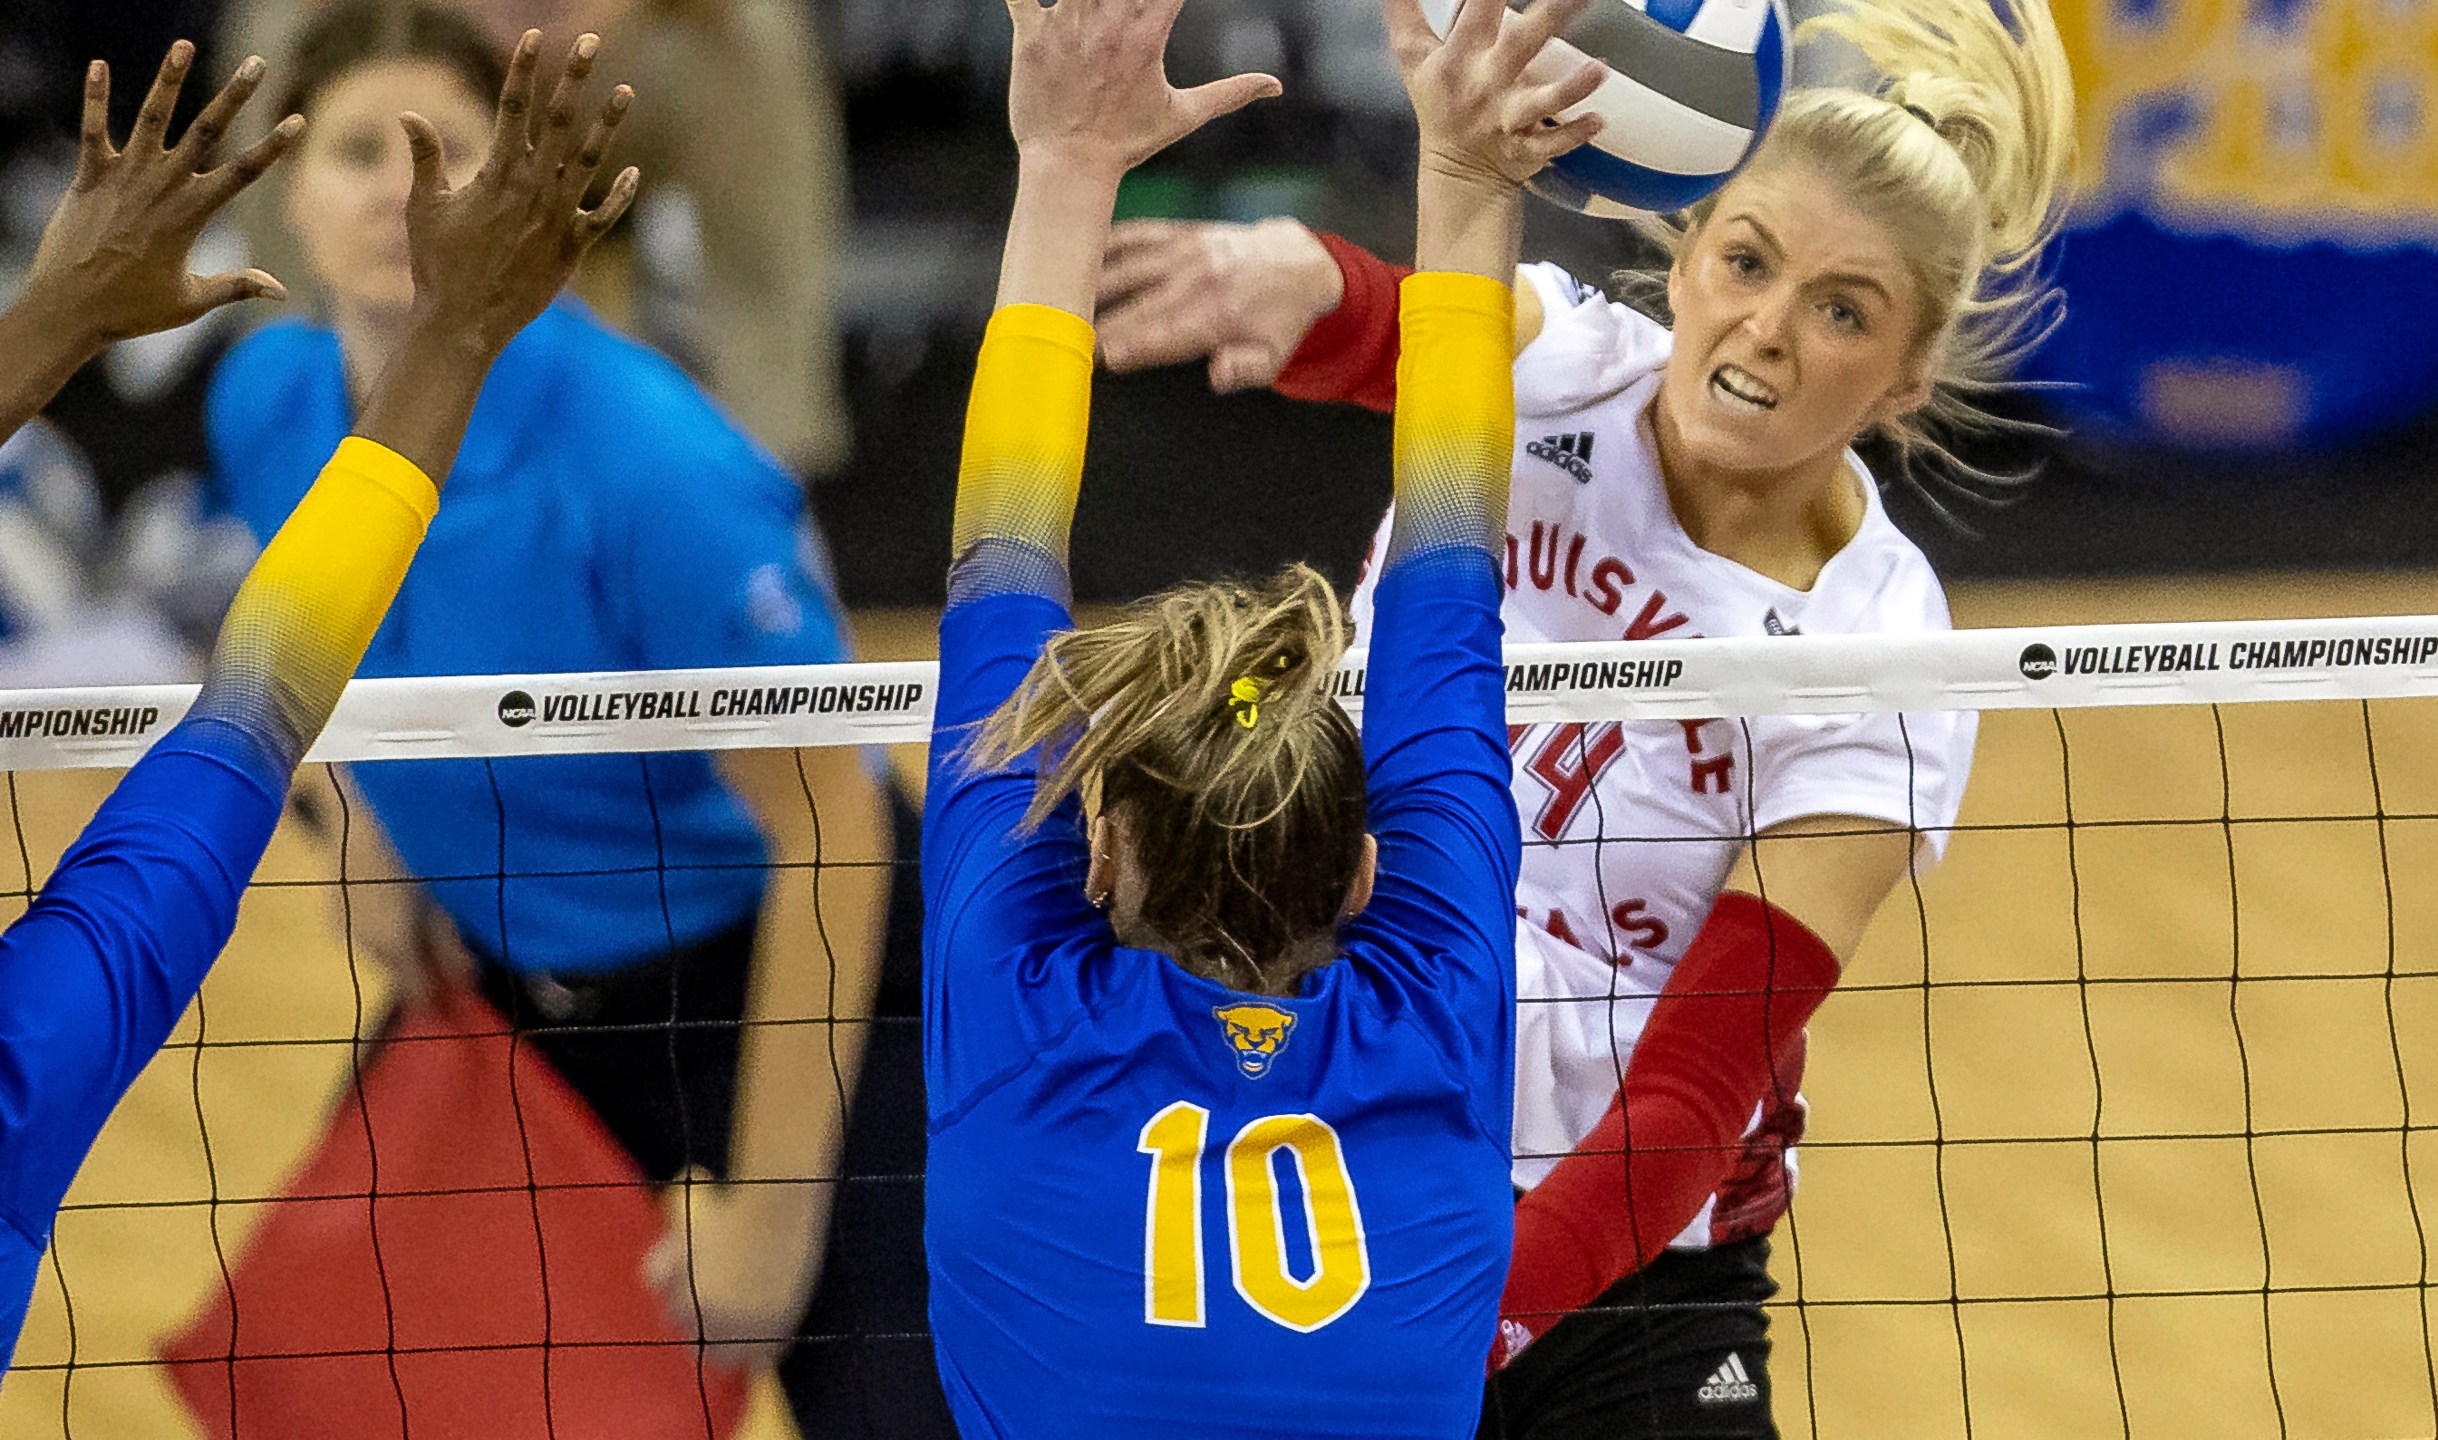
(1691, 88)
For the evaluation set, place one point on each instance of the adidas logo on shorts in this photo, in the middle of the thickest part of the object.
(1730, 1384)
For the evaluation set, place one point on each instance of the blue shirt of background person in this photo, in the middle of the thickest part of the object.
(676, 542)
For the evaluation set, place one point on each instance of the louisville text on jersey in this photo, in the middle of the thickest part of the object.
(1552, 558)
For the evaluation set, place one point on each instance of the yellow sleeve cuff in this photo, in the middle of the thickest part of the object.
(1455, 290)
(393, 473)
(1455, 426)
(1025, 427)
(1045, 323)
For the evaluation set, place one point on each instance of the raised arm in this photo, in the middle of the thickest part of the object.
(1309, 314)
(110, 953)
(112, 262)
(1435, 711)
(487, 258)
(1087, 102)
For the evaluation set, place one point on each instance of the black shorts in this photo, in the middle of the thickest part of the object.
(862, 1367)
(1680, 1348)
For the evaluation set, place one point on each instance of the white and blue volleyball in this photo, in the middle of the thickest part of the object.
(1692, 86)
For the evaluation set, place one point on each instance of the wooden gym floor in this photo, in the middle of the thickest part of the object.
(2214, 1128)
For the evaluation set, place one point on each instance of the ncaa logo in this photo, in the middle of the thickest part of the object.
(2039, 662)
(516, 710)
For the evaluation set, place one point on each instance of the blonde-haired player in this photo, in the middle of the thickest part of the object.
(1872, 271)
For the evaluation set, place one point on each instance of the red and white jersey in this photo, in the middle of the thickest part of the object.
(1631, 827)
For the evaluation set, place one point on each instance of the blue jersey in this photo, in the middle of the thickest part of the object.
(101, 965)
(1157, 1206)
(96, 973)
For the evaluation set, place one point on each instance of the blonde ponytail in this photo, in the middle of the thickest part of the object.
(1995, 87)
(1963, 145)
(1205, 720)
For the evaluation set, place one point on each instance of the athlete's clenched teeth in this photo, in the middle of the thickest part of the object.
(1743, 390)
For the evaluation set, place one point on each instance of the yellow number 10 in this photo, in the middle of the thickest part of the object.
(1256, 1223)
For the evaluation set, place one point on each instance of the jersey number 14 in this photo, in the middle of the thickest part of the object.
(1173, 1288)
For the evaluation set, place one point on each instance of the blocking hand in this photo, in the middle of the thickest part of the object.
(113, 259)
(491, 255)
(1481, 119)
(1089, 78)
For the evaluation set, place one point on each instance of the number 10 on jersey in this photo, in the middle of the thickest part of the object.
(1173, 1285)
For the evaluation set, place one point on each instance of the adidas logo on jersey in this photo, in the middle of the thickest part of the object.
(1730, 1384)
(1570, 453)
(1775, 624)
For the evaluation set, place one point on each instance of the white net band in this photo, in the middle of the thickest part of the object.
(2042, 668)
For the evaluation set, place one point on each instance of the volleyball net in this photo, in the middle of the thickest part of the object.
(2119, 1121)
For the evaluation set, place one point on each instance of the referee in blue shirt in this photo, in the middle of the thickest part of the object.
(622, 908)
(115, 946)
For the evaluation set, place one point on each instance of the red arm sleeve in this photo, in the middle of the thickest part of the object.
(1351, 353)
(1722, 1032)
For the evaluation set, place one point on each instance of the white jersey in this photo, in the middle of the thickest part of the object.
(1631, 828)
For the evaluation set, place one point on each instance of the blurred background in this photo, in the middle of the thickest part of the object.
(2246, 399)
(2246, 380)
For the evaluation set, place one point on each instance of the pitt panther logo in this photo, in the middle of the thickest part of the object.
(1257, 1033)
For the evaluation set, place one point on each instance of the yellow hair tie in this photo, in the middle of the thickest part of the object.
(1244, 697)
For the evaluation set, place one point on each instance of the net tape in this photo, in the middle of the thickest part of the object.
(2036, 668)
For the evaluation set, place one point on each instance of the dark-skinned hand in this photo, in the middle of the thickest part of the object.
(491, 254)
(113, 260)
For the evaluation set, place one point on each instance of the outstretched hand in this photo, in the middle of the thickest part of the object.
(1089, 81)
(1244, 296)
(490, 255)
(113, 260)
(1482, 121)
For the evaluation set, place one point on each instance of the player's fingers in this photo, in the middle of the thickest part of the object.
(1249, 365)
(1205, 103)
(1138, 263)
(226, 182)
(424, 152)
(1165, 325)
(1410, 35)
(559, 116)
(591, 225)
(577, 176)
(509, 140)
(1027, 14)
(208, 293)
(93, 146)
(1536, 27)
(1547, 144)
(1530, 108)
(201, 142)
(1476, 26)
(1130, 235)
(152, 122)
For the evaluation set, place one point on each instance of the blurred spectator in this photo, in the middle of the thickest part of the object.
(108, 573)
(730, 261)
(93, 594)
